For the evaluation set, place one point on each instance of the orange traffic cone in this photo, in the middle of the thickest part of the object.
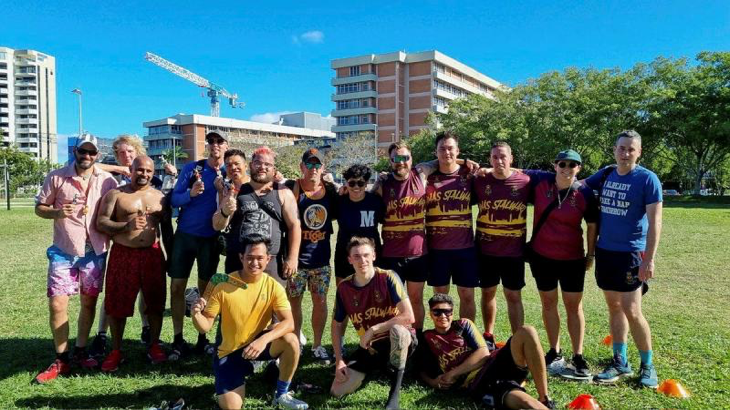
(607, 340)
(673, 388)
(499, 345)
(584, 402)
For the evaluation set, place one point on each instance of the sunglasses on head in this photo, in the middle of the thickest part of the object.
(563, 164)
(442, 312)
(401, 158)
(313, 165)
(353, 183)
(83, 151)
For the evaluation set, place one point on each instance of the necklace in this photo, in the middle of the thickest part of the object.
(561, 200)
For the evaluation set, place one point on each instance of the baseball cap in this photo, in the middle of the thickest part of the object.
(568, 155)
(313, 153)
(87, 139)
(217, 133)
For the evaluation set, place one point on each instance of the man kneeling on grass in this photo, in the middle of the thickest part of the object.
(379, 308)
(455, 355)
(246, 301)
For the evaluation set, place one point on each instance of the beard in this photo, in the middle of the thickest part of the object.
(261, 178)
(401, 171)
(84, 163)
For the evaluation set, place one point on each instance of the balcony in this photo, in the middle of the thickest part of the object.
(354, 111)
(18, 140)
(33, 121)
(26, 93)
(26, 111)
(24, 82)
(354, 79)
(4, 110)
(4, 100)
(28, 149)
(354, 128)
(353, 96)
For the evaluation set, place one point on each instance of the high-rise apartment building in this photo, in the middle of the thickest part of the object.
(390, 95)
(28, 102)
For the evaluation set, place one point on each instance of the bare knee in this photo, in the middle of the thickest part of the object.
(57, 305)
(549, 301)
(527, 332)
(513, 297)
(88, 302)
(291, 341)
(177, 288)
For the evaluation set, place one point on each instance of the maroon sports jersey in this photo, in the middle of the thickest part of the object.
(404, 233)
(371, 304)
(450, 349)
(448, 210)
(501, 222)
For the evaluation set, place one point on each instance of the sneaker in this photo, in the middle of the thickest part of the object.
(302, 339)
(491, 344)
(554, 362)
(577, 369)
(57, 368)
(320, 353)
(98, 348)
(550, 404)
(145, 335)
(210, 349)
(82, 359)
(200, 345)
(614, 371)
(155, 354)
(288, 401)
(179, 351)
(648, 377)
(112, 362)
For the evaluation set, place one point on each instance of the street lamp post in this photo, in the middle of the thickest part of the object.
(81, 127)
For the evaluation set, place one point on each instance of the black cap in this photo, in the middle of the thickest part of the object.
(313, 153)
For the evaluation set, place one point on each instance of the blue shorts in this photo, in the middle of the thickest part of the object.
(231, 370)
(618, 271)
(459, 264)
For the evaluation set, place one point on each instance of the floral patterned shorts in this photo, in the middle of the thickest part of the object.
(317, 278)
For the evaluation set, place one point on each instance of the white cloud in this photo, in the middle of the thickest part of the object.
(314, 36)
(269, 117)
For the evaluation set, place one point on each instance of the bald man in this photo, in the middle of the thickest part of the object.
(131, 215)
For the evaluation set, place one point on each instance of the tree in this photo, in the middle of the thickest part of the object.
(356, 149)
(288, 159)
(24, 170)
(175, 154)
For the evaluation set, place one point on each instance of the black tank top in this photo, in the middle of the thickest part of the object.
(249, 219)
(316, 217)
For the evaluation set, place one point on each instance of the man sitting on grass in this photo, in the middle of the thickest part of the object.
(246, 301)
(455, 355)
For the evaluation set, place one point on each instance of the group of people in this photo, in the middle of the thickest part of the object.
(413, 227)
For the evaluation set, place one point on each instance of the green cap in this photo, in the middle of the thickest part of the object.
(568, 155)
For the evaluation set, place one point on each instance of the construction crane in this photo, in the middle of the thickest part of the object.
(215, 91)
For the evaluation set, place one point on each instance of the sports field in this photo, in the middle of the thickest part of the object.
(687, 308)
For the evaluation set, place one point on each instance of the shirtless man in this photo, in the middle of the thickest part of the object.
(131, 215)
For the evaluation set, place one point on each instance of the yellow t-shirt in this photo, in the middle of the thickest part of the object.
(245, 312)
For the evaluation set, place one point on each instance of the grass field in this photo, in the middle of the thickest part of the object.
(686, 307)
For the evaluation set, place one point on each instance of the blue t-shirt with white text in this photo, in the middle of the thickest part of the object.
(624, 198)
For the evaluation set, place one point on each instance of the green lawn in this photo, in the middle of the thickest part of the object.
(684, 306)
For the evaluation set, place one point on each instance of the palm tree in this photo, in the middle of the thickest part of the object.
(175, 153)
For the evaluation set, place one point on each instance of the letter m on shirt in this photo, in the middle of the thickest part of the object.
(367, 219)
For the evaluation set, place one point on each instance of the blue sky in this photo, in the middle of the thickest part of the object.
(276, 55)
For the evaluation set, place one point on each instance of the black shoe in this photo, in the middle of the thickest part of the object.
(548, 403)
(98, 349)
(580, 366)
(179, 350)
(200, 345)
(554, 362)
(145, 336)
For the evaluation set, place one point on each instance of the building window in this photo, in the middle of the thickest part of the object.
(3, 55)
(354, 71)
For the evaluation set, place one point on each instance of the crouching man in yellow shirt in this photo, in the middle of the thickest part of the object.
(246, 301)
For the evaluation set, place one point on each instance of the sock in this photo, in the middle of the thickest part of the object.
(64, 357)
(178, 339)
(620, 350)
(647, 357)
(281, 387)
(101, 333)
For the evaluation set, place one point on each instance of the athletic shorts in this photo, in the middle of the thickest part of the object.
(232, 369)
(457, 265)
(190, 248)
(618, 271)
(499, 376)
(548, 272)
(509, 270)
(316, 279)
(69, 274)
(413, 269)
(366, 361)
(131, 270)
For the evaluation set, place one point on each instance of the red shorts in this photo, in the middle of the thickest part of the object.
(128, 271)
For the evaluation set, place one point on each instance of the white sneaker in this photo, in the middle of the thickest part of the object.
(288, 401)
(302, 339)
(320, 353)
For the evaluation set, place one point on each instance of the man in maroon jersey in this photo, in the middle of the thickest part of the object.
(455, 355)
(502, 197)
(374, 300)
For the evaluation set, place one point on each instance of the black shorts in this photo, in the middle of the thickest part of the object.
(506, 269)
(499, 376)
(363, 361)
(190, 248)
(548, 272)
(413, 269)
(231, 370)
(459, 264)
(618, 271)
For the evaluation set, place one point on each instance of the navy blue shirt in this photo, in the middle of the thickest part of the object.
(196, 214)
(359, 219)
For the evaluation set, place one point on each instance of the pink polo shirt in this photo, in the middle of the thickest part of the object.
(70, 234)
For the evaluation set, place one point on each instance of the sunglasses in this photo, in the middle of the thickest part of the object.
(563, 164)
(216, 141)
(353, 183)
(83, 151)
(401, 158)
(313, 165)
(442, 312)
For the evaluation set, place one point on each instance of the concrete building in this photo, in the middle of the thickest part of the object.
(188, 132)
(105, 149)
(28, 102)
(390, 95)
(307, 120)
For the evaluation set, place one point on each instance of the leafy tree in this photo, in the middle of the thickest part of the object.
(175, 154)
(356, 149)
(24, 170)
